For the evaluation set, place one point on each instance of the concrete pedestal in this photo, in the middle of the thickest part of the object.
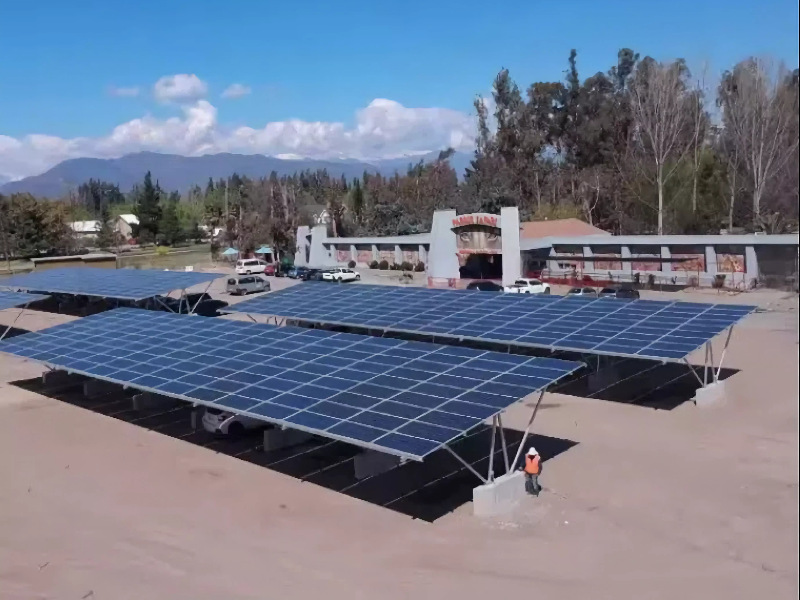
(501, 496)
(370, 463)
(276, 438)
(60, 379)
(146, 400)
(710, 395)
(93, 388)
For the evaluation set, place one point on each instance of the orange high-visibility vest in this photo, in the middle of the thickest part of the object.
(532, 465)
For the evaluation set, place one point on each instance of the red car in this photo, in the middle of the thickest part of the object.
(269, 269)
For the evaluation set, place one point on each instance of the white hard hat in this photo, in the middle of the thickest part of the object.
(532, 451)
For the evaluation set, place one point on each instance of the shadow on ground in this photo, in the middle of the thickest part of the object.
(426, 491)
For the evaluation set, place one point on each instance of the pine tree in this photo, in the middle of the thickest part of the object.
(106, 236)
(148, 210)
(170, 226)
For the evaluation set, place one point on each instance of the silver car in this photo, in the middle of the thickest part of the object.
(247, 284)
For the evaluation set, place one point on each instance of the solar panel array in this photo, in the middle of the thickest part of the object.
(665, 331)
(400, 397)
(124, 284)
(13, 299)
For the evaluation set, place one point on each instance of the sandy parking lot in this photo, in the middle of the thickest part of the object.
(639, 502)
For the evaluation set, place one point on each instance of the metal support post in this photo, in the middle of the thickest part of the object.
(711, 361)
(503, 441)
(705, 367)
(466, 464)
(490, 474)
(21, 310)
(191, 312)
(162, 304)
(691, 368)
(724, 350)
(249, 316)
(527, 431)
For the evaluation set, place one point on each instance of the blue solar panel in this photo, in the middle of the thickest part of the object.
(13, 299)
(665, 331)
(403, 398)
(125, 284)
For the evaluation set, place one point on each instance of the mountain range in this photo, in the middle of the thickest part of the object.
(175, 172)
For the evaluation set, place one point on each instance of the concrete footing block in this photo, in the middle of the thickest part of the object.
(146, 400)
(95, 387)
(499, 497)
(60, 378)
(371, 462)
(276, 438)
(710, 395)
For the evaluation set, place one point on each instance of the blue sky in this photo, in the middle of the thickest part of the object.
(323, 61)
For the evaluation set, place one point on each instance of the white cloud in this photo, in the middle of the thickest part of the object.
(384, 129)
(124, 92)
(180, 88)
(236, 90)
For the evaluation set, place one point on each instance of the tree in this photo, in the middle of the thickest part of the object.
(659, 102)
(107, 235)
(759, 115)
(169, 226)
(148, 209)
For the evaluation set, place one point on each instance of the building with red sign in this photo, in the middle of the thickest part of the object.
(462, 248)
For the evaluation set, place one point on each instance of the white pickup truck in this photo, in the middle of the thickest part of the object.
(527, 286)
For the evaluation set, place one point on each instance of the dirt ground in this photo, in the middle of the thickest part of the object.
(642, 503)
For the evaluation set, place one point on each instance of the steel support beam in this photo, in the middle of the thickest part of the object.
(466, 464)
(14, 322)
(527, 431)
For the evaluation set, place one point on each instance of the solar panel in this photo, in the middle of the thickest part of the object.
(125, 284)
(664, 331)
(400, 397)
(12, 299)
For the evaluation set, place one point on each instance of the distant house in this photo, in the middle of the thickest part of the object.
(124, 225)
(88, 230)
(85, 229)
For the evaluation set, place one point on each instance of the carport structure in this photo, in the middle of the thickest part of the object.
(398, 400)
(662, 331)
(143, 286)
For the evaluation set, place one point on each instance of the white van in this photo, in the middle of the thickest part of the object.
(250, 266)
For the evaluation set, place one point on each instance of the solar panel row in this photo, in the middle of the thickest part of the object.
(404, 398)
(13, 299)
(666, 331)
(124, 284)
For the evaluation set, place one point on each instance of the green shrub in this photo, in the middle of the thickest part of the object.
(383, 265)
(406, 266)
(420, 267)
(373, 264)
(352, 264)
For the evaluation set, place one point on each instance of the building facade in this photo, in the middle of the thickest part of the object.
(462, 248)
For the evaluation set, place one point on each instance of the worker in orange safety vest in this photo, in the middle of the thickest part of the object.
(533, 467)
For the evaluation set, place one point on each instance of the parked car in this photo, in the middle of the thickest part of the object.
(619, 292)
(341, 274)
(527, 286)
(247, 284)
(583, 291)
(485, 286)
(313, 275)
(296, 272)
(225, 423)
(270, 269)
(249, 266)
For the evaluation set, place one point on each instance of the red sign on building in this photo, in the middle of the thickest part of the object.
(475, 219)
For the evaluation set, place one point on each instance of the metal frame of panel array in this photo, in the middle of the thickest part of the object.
(122, 284)
(399, 397)
(655, 330)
